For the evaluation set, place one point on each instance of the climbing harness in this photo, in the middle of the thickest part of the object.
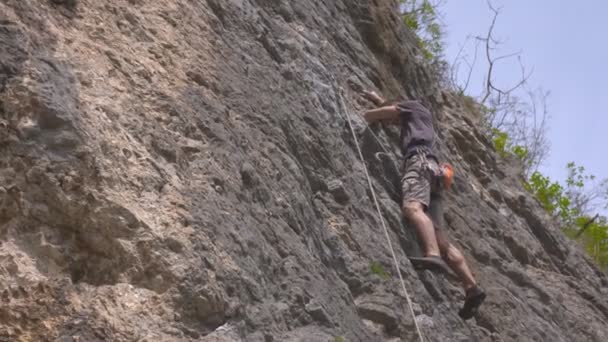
(442, 174)
(375, 199)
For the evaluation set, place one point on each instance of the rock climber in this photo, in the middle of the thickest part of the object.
(422, 193)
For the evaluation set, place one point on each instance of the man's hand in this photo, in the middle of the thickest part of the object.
(373, 97)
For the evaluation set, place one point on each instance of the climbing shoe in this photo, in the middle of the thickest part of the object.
(473, 299)
(432, 263)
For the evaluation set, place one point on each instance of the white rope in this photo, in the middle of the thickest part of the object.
(388, 238)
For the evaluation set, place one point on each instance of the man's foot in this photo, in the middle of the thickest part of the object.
(473, 299)
(432, 263)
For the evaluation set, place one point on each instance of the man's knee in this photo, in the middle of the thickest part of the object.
(453, 255)
(412, 209)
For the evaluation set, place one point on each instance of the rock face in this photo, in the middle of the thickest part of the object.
(182, 171)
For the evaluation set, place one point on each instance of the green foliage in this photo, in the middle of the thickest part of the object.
(595, 240)
(520, 152)
(551, 196)
(593, 237)
(338, 339)
(410, 20)
(505, 148)
(564, 202)
(423, 19)
(558, 200)
(577, 176)
(378, 270)
(500, 142)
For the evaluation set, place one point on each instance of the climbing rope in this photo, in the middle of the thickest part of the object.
(388, 238)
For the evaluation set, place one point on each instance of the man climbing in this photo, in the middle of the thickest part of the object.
(422, 193)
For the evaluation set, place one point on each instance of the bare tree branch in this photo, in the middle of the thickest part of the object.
(587, 224)
(455, 66)
(490, 45)
(523, 118)
(496, 59)
(471, 67)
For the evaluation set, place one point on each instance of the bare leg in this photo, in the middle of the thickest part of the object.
(454, 258)
(414, 213)
(474, 295)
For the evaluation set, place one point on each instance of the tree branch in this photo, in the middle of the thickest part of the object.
(586, 225)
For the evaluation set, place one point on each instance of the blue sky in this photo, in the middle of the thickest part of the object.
(567, 46)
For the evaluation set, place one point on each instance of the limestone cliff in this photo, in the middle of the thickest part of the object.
(182, 171)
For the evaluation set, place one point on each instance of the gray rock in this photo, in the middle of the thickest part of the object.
(378, 309)
(248, 174)
(184, 172)
(336, 188)
(317, 312)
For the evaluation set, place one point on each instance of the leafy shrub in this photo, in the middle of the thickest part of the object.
(550, 195)
(378, 270)
(564, 203)
(422, 18)
(569, 203)
(504, 147)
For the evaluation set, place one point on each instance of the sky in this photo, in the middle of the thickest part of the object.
(566, 44)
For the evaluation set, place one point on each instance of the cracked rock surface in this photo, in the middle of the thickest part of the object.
(183, 171)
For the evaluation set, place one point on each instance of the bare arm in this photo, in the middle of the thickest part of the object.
(375, 98)
(390, 113)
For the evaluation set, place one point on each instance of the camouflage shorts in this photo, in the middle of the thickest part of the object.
(418, 183)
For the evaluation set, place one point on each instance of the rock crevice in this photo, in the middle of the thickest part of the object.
(183, 171)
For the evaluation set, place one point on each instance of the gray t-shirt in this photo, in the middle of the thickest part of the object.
(416, 128)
